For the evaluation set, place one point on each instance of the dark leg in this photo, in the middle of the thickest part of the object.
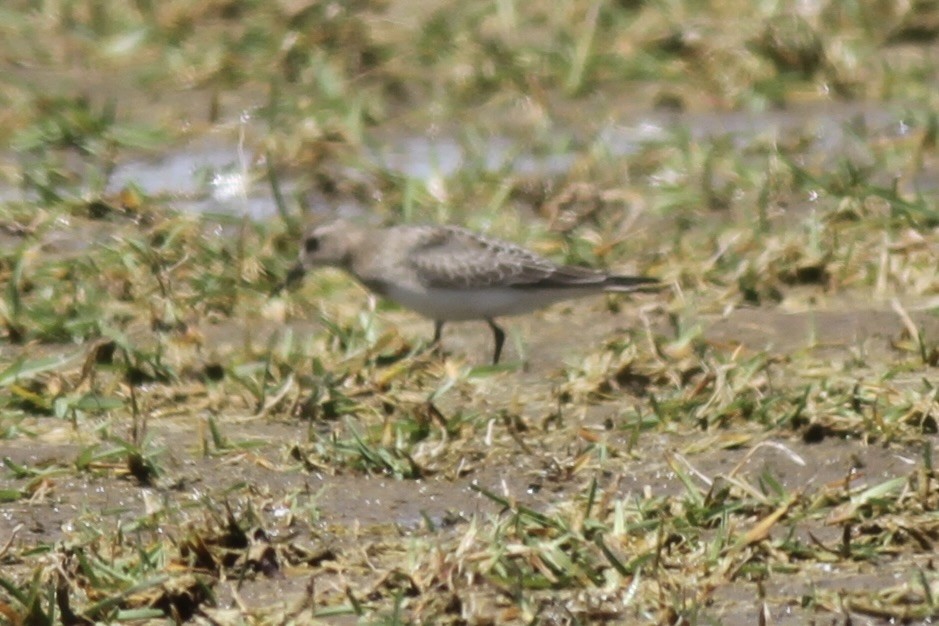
(499, 336)
(438, 331)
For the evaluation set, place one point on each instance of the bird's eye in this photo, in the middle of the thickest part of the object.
(311, 244)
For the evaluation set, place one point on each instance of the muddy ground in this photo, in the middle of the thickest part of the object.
(182, 440)
(351, 513)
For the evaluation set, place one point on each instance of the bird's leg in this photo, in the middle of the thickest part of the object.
(438, 331)
(499, 336)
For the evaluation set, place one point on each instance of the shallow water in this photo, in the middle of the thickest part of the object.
(214, 174)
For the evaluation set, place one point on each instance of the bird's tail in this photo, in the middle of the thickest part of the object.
(632, 284)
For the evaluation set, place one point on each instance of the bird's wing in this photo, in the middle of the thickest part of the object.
(456, 258)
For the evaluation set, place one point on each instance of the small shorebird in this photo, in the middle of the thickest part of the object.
(448, 273)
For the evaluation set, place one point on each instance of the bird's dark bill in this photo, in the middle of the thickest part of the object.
(293, 277)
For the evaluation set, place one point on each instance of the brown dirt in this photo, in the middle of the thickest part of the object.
(347, 509)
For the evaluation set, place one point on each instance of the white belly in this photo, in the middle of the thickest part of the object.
(455, 304)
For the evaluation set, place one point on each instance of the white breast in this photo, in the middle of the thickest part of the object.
(455, 304)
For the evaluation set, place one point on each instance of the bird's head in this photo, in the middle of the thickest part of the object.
(327, 245)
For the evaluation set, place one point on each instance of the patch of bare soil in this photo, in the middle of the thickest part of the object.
(351, 512)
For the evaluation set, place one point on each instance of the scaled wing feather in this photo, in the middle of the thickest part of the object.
(457, 258)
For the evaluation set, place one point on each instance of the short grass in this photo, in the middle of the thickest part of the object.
(182, 440)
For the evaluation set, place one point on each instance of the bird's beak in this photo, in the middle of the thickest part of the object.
(293, 277)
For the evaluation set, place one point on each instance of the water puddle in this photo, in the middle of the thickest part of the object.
(829, 126)
(215, 175)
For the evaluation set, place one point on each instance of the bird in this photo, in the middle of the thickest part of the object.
(449, 273)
